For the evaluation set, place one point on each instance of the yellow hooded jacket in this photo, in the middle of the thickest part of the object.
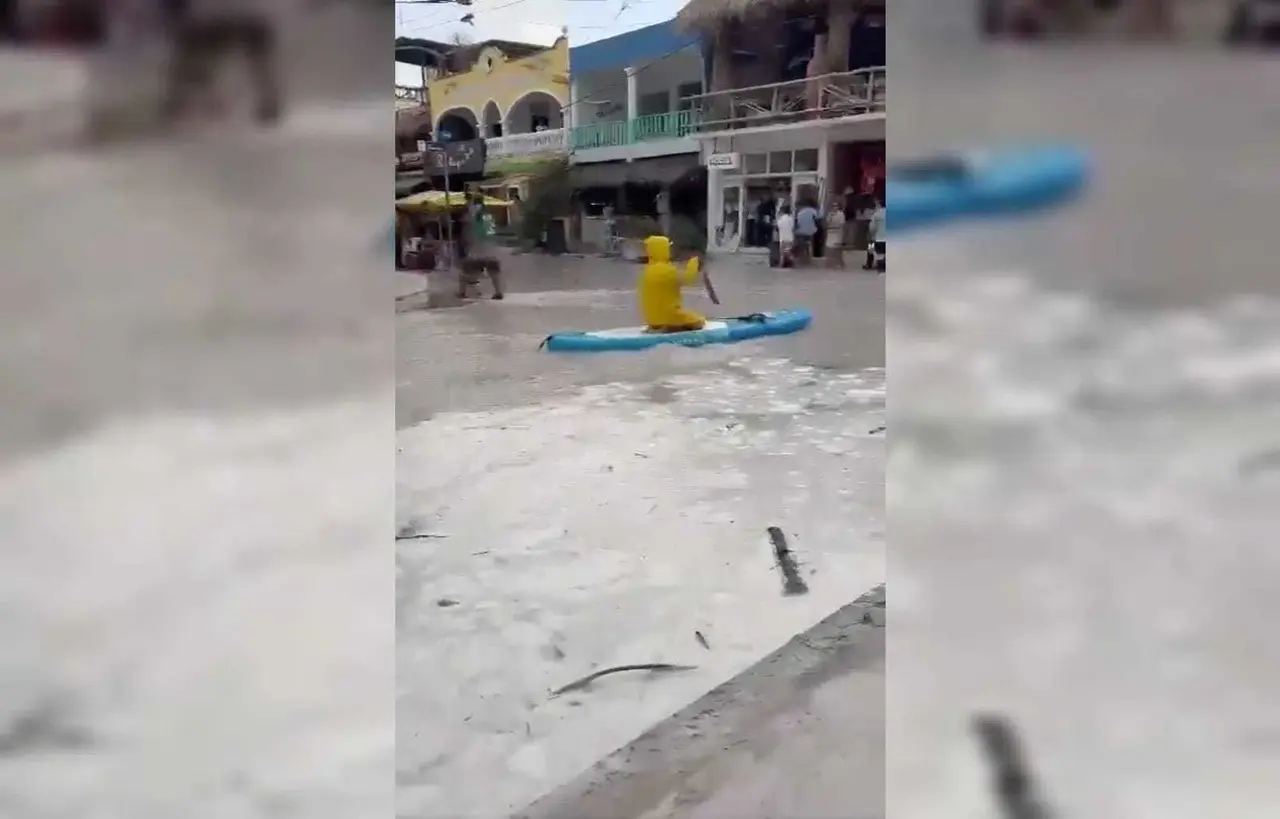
(661, 304)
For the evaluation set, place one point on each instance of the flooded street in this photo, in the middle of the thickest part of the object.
(195, 437)
(586, 511)
(1082, 476)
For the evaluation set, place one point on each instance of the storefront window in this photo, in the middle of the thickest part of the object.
(727, 232)
(755, 163)
(806, 160)
(780, 162)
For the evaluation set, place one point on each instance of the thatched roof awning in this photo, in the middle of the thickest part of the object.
(702, 15)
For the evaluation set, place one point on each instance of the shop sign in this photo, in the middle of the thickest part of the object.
(724, 162)
(465, 157)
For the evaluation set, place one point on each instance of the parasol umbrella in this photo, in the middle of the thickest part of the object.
(437, 201)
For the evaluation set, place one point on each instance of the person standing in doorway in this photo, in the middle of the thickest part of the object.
(806, 232)
(835, 235)
(876, 248)
(864, 207)
(785, 230)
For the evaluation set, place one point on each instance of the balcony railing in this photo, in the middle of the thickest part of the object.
(537, 143)
(848, 93)
(672, 125)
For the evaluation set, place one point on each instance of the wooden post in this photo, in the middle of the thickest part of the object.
(840, 17)
(721, 75)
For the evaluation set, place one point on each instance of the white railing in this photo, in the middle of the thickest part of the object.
(537, 143)
(843, 94)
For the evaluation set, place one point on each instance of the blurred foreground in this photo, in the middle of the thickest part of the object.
(1082, 476)
(195, 490)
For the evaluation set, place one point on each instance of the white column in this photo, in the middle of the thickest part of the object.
(824, 165)
(715, 207)
(571, 112)
(633, 93)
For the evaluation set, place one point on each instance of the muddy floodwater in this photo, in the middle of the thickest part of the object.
(578, 512)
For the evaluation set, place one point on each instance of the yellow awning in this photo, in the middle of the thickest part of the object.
(429, 201)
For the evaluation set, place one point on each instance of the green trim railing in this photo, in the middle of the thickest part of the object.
(671, 125)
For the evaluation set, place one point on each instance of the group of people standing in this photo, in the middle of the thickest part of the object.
(855, 222)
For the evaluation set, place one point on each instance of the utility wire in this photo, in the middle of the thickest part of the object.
(422, 23)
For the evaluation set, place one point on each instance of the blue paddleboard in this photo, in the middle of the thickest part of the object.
(982, 183)
(717, 331)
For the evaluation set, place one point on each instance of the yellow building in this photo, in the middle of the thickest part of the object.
(513, 95)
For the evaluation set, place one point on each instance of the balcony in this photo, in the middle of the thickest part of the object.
(538, 143)
(831, 96)
(673, 125)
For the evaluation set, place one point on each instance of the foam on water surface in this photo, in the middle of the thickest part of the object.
(606, 528)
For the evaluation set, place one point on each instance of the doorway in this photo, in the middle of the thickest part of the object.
(805, 189)
(749, 208)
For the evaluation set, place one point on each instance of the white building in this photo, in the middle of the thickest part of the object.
(791, 158)
(767, 143)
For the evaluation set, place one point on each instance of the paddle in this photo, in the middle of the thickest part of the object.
(706, 281)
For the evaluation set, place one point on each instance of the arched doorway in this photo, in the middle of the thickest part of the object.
(535, 111)
(457, 125)
(492, 120)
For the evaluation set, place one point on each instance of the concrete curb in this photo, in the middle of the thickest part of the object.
(638, 778)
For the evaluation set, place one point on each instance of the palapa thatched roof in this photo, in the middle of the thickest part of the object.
(701, 15)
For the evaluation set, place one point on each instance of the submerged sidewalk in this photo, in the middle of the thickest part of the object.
(801, 733)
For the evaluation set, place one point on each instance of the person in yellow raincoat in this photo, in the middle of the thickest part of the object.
(659, 289)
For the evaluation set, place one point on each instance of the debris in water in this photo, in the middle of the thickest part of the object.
(1260, 462)
(793, 583)
(1011, 780)
(702, 641)
(45, 726)
(578, 685)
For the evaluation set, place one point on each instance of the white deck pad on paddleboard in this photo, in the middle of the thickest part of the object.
(629, 332)
(607, 529)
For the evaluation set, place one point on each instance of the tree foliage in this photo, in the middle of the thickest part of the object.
(550, 197)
